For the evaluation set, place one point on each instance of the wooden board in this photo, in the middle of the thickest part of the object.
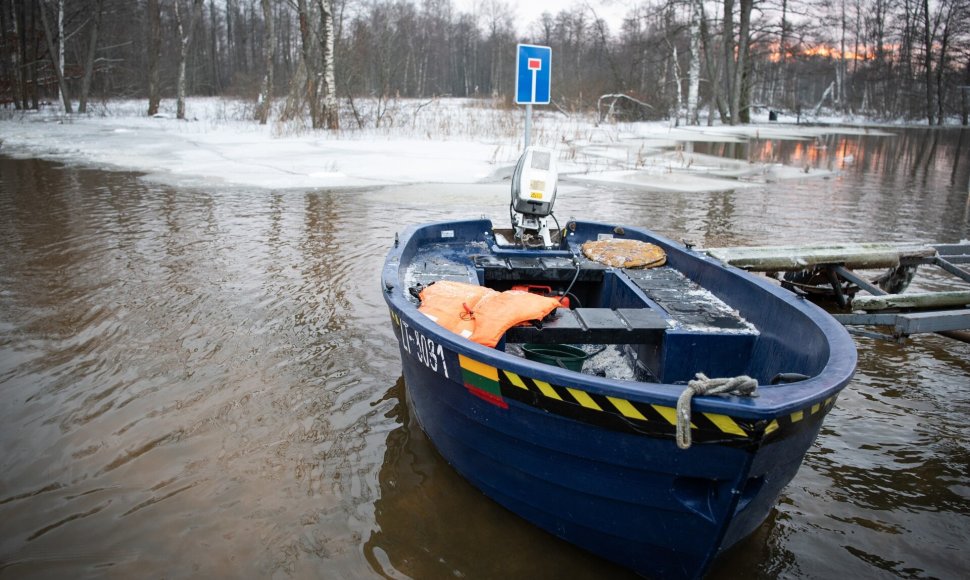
(914, 300)
(793, 258)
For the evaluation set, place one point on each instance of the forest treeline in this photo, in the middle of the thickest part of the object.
(728, 60)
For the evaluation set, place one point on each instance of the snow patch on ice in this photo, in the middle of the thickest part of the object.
(461, 141)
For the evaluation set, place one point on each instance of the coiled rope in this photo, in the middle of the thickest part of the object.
(743, 385)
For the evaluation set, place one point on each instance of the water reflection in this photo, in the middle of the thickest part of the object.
(908, 153)
(431, 523)
(764, 554)
(170, 382)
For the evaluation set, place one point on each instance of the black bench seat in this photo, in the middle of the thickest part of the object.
(594, 326)
(537, 269)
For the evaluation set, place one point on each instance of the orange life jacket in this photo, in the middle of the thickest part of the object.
(445, 303)
(482, 314)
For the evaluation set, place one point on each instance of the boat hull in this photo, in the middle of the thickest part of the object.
(594, 460)
(629, 496)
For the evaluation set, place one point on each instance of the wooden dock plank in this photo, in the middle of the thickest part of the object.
(918, 322)
(912, 300)
(793, 258)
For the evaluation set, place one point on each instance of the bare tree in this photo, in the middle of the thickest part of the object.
(727, 35)
(741, 87)
(269, 51)
(60, 34)
(947, 20)
(694, 71)
(712, 66)
(154, 54)
(25, 21)
(946, 10)
(328, 87)
(309, 64)
(9, 34)
(89, 60)
(53, 53)
(890, 58)
(928, 37)
(185, 35)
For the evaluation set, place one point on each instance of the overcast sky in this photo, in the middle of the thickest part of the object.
(528, 11)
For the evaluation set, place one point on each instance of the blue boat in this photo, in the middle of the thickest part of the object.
(653, 417)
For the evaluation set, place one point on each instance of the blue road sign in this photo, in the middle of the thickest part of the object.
(533, 75)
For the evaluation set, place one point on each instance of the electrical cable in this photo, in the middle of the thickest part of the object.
(559, 230)
(575, 277)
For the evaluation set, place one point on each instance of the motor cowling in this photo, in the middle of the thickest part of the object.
(534, 182)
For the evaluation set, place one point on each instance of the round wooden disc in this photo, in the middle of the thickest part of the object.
(623, 253)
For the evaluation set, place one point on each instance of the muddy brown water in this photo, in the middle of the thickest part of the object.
(200, 383)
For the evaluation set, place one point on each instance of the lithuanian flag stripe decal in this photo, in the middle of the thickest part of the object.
(481, 380)
(478, 368)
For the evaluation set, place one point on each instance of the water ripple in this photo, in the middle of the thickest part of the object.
(206, 384)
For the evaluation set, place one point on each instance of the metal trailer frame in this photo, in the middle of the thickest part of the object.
(946, 313)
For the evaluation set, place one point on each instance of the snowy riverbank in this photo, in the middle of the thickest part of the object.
(439, 141)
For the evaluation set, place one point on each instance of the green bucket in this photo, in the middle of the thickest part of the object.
(562, 355)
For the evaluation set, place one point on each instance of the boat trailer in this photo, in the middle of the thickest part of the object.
(829, 272)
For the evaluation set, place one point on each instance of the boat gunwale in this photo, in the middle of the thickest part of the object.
(772, 400)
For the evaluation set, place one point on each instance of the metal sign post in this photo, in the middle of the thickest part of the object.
(533, 79)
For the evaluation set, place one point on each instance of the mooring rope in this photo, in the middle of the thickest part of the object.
(743, 385)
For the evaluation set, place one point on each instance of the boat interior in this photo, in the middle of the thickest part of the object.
(652, 325)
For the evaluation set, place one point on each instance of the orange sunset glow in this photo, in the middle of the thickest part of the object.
(821, 50)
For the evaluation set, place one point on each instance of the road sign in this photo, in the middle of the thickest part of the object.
(533, 74)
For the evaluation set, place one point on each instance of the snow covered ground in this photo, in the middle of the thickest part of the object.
(418, 141)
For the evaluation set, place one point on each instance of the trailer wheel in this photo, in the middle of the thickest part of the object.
(814, 282)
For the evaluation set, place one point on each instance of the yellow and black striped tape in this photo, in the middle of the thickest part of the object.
(646, 418)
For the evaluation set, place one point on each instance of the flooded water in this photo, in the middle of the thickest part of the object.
(205, 383)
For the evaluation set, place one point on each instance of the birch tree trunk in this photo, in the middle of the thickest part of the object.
(843, 68)
(329, 86)
(60, 34)
(52, 50)
(787, 99)
(269, 51)
(82, 106)
(679, 92)
(182, 53)
(694, 71)
(185, 41)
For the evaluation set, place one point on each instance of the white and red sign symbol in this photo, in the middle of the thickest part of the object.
(533, 66)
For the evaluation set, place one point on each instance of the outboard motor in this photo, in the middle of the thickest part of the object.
(534, 183)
